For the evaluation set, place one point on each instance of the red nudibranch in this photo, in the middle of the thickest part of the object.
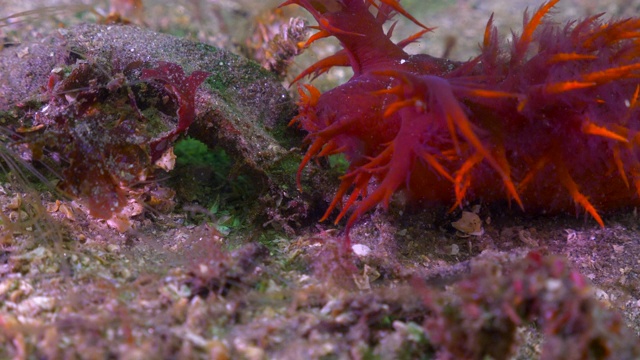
(550, 122)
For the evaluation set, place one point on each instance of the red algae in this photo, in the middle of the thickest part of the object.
(184, 89)
(549, 123)
(94, 122)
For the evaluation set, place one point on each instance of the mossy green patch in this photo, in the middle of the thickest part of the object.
(154, 125)
(339, 163)
(190, 151)
(211, 177)
(218, 82)
(284, 171)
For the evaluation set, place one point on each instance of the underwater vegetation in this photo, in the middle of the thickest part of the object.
(93, 124)
(549, 122)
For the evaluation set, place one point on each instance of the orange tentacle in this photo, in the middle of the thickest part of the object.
(569, 184)
(593, 129)
(529, 28)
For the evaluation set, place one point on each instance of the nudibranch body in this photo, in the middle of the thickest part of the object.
(550, 123)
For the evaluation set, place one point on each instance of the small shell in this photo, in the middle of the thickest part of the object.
(53, 207)
(469, 224)
(67, 211)
(361, 250)
(525, 237)
(16, 216)
(15, 203)
(167, 161)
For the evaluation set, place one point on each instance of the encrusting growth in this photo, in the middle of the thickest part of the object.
(94, 121)
(550, 122)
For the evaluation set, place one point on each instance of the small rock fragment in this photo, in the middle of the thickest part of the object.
(469, 224)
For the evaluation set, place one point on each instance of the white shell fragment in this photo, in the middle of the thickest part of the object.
(167, 161)
(469, 224)
(361, 250)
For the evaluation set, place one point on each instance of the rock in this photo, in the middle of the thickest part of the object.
(240, 106)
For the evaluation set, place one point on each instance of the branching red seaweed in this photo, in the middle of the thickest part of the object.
(184, 89)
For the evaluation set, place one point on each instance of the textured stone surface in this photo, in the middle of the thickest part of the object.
(239, 106)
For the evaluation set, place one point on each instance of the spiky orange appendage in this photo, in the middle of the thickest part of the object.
(551, 123)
